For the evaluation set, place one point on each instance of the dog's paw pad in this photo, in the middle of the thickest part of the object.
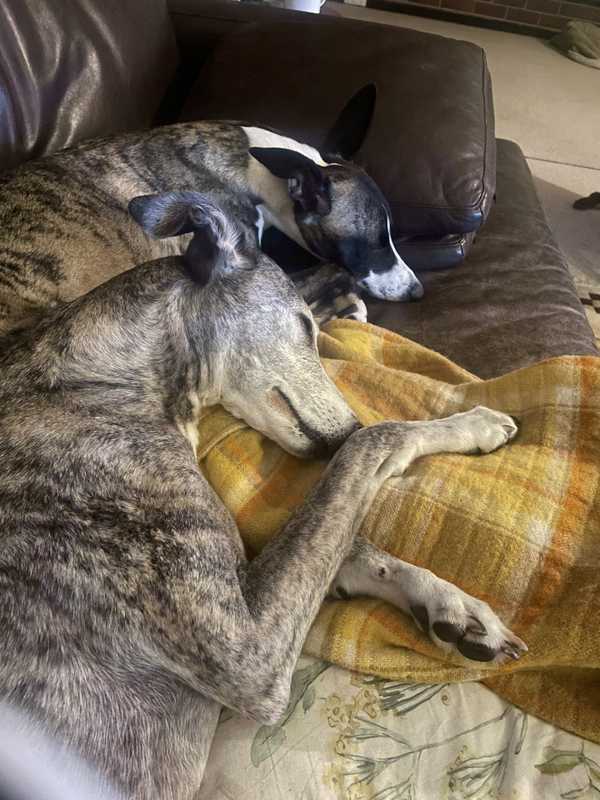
(476, 651)
(460, 623)
(448, 632)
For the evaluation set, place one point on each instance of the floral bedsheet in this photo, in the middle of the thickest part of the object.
(353, 737)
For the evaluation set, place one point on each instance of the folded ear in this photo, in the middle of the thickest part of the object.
(308, 183)
(170, 214)
(350, 129)
(216, 238)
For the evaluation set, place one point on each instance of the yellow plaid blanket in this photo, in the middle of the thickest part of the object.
(519, 528)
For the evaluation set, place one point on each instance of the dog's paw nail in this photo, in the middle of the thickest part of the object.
(421, 616)
(511, 431)
(511, 653)
(517, 645)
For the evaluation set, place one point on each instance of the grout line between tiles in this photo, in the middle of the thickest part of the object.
(562, 163)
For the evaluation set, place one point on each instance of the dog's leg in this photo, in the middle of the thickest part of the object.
(453, 619)
(240, 627)
(330, 293)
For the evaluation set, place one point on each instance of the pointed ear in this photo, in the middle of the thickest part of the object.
(216, 238)
(308, 184)
(350, 129)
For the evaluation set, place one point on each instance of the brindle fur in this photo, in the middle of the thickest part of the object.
(128, 611)
(64, 227)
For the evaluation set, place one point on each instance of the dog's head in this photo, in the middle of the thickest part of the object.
(340, 212)
(251, 327)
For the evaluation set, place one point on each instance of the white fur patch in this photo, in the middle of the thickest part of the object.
(392, 245)
(397, 283)
(190, 428)
(260, 137)
(260, 224)
(277, 208)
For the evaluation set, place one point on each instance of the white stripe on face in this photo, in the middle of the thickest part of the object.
(392, 245)
(399, 282)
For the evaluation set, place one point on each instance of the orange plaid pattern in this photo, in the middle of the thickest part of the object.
(519, 528)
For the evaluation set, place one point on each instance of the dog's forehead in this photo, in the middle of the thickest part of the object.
(358, 209)
(352, 186)
(260, 309)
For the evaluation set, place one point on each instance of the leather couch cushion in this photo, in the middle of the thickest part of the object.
(431, 146)
(74, 69)
(420, 253)
(512, 302)
(423, 253)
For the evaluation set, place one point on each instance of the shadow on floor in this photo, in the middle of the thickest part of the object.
(577, 232)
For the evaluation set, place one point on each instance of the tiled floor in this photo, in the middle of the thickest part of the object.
(551, 107)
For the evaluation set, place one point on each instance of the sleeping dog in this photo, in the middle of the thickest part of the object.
(65, 227)
(129, 614)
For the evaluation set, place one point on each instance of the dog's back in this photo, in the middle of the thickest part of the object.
(64, 223)
(92, 479)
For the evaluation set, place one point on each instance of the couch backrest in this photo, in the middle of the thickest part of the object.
(76, 69)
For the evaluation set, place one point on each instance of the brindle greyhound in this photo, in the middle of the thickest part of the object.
(128, 611)
(75, 202)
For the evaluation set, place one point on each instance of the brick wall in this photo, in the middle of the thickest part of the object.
(543, 16)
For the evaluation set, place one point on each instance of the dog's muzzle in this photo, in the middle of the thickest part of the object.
(384, 287)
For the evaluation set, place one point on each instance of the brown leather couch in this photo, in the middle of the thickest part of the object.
(74, 69)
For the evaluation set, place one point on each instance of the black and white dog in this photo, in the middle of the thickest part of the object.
(330, 206)
(66, 228)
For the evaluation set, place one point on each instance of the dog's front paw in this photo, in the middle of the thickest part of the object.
(330, 293)
(456, 621)
(489, 429)
(350, 306)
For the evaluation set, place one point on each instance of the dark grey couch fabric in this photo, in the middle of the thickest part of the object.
(512, 302)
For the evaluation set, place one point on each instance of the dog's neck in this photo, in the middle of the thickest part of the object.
(276, 205)
(133, 337)
(277, 210)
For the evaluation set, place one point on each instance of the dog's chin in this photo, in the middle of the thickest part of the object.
(306, 451)
(306, 448)
(405, 295)
(384, 287)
